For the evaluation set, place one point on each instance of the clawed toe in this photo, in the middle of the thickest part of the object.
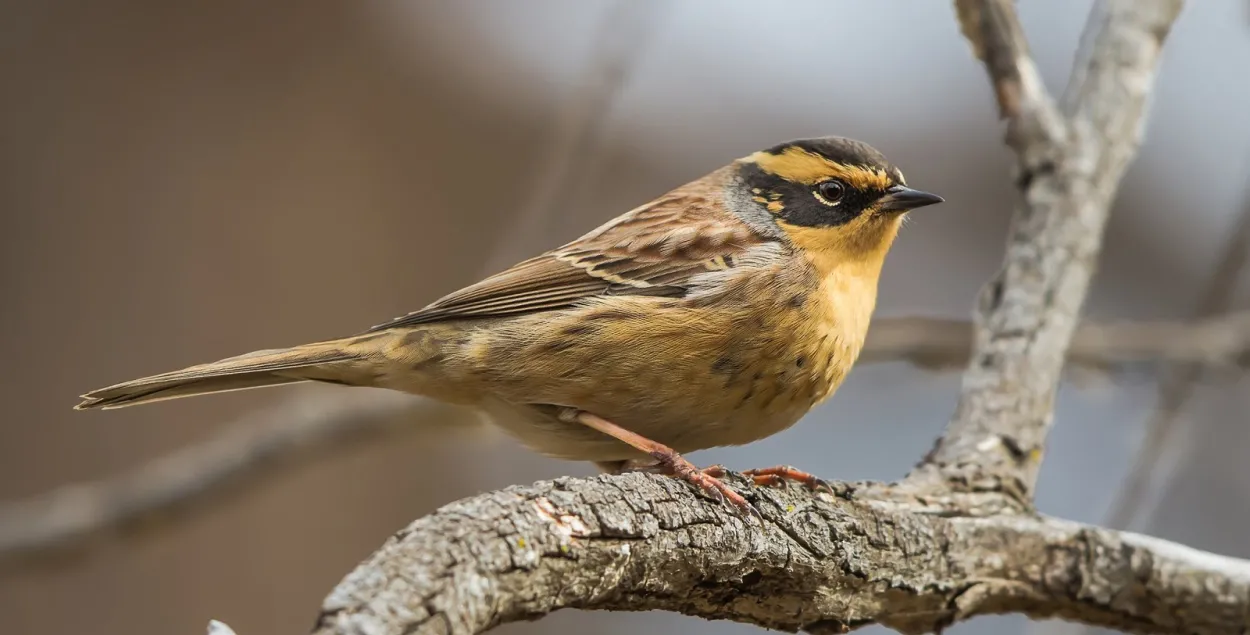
(781, 475)
(708, 481)
(668, 461)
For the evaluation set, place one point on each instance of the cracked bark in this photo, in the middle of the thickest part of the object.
(1069, 163)
(821, 564)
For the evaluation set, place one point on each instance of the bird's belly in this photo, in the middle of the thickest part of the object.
(687, 383)
(685, 424)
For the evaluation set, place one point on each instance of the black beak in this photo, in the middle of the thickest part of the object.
(901, 199)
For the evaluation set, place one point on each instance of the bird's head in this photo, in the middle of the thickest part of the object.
(837, 199)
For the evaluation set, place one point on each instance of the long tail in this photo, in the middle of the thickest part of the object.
(338, 361)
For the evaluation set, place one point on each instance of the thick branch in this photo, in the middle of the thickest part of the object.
(642, 542)
(1068, 169)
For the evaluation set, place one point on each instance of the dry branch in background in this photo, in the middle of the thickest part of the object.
(1217, 342)
(1177, 386)
(620, 41)
(293, 429)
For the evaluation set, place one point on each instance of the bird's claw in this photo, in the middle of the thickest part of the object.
(709, 483)
(783, 475)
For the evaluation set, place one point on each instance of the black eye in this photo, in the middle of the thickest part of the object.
(831, 191)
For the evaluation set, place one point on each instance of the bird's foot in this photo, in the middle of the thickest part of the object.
(709, 483)
(668, 462)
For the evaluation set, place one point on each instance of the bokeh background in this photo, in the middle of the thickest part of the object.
(183, 181)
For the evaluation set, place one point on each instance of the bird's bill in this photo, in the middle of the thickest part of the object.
(901, 199)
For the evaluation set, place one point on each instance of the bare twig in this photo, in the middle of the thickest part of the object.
(580, 123)
(1221, 341)
(1069, 166)
(1177, 386)
(260, 440)
(997, 39)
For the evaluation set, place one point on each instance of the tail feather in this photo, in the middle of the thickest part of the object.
(251, 370)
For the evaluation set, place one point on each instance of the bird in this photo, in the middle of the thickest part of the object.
(717, 314)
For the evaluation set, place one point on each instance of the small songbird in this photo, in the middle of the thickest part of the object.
(716, 314)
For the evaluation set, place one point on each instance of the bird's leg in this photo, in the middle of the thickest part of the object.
(668, 461)
(778, 475)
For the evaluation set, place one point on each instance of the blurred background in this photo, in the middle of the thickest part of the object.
(184, 181)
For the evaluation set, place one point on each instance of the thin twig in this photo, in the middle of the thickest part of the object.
(261, 440)
(1177, 386)
(580, 123)
(998, 40)
(1219, 342)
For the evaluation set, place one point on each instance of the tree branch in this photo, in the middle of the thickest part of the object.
(643, 542)
(1068, 168)
(259, 441)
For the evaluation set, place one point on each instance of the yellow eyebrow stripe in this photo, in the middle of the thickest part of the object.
(800, 166)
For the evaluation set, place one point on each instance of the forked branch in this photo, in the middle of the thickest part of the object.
(1069, 165)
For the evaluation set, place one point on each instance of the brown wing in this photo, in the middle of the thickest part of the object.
(653, 250)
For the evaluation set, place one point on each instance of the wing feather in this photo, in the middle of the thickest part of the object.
(653, 250)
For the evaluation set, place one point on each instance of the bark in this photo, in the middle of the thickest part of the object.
(1069, 164)
(820, 564)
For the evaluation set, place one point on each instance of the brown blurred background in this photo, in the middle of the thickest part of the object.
(184, 181)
